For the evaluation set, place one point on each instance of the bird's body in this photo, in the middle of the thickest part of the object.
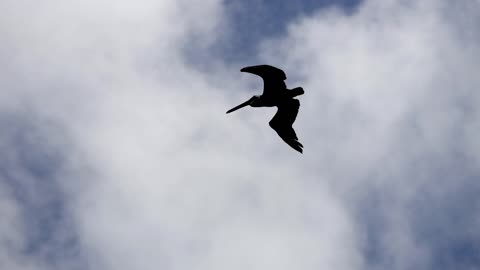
(275, 93)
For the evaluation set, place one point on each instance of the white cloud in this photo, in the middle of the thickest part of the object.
(393, 89)
(157, 176)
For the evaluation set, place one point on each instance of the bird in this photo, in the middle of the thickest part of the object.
(275, 93)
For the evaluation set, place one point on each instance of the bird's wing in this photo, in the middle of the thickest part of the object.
(273, 78)
(283, 120)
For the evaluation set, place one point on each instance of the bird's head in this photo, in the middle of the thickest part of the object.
(251, 101)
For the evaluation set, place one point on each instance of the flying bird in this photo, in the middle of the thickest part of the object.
(275, 93)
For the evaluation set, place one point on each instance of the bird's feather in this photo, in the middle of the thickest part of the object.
(273, 78)
(283, 120)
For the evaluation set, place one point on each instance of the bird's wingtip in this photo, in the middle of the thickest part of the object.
(296, 145)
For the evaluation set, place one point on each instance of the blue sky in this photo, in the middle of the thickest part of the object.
(255, 20)
(117, 154)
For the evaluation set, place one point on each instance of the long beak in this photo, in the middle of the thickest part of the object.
(246, 103)
(253, 69)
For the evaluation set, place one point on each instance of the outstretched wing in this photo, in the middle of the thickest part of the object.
(283, 120)
(273, 78)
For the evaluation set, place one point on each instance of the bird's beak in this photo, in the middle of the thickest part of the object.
(252, 69)
(246, 103)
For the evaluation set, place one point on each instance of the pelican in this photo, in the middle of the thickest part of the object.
(275, 93)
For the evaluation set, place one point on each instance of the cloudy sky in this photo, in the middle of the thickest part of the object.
(116, 152)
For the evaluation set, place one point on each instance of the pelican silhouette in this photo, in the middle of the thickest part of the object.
(275, 93)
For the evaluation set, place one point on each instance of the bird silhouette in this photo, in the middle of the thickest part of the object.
(275, 93)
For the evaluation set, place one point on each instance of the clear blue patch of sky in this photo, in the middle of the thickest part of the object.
(252, 21)
(249, 22)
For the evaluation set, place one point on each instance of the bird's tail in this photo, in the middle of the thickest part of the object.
(297, 91)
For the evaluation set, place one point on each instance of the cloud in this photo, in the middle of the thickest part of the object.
(149, 173)
(393, 89)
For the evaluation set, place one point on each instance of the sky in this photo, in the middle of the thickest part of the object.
(116, 152)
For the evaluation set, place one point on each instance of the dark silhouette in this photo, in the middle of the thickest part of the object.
(275, 93)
